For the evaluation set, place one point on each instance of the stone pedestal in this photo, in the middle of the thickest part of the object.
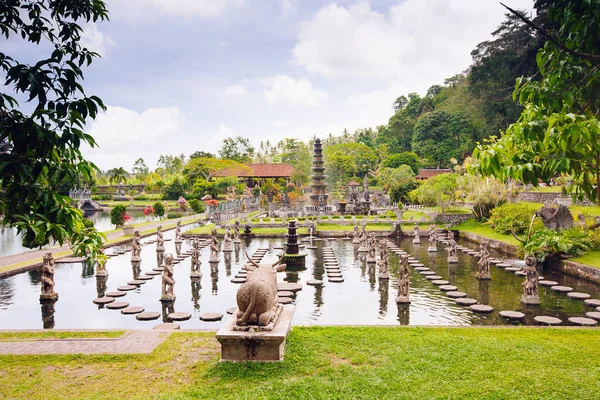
(265, 346)
(167, 298)
(533, 300)
(453, 260)
(402, 300)
(486, 277)
(371, 260)
(417, 240)
(102, 272)
(432, 249)
(214, 259)
(383, 276)
(48, 298)
(196, 275)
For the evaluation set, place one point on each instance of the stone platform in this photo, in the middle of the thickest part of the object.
(264, 346)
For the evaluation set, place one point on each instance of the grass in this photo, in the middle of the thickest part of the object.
(138, 203)
(546, 189)
(485, 230)
(331, 362)
(592, 259)
(350, 227)
(60, 335)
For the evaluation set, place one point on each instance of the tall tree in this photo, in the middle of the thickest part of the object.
(40, 149)
(237, 149)
(170, 165)
(140, 169)
(198, 154)
(206, 168)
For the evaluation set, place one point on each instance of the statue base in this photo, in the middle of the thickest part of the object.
(227, 250)
(483, 277)
(263, 346)
(533, 300)
(452, 260)
(102, 273)
(136, 259)
(237, 240)
(432, 249)
(355, 241)
(383, 276)
(402, 300)
(371, 260)
(417, 241)
(48, 298)
(167, 298)
(196, 275)
(214, 260)
(362, 249)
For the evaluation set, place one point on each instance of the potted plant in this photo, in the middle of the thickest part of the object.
(119, 218)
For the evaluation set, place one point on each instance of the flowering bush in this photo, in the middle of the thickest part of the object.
(149, 211)
(127, 220)
(212, 202)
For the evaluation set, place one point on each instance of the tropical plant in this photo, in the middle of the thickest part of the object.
(572, 242)
(117, 215)
(511, 217)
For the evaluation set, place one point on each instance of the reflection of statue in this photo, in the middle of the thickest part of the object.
(195, 270)
(484, 262)
(403, 296)
(383, 262)
(247, 229)
(417, 234)
(136, 246)
(167, 279)
(555, 218)
(48, 292)
(530, 286)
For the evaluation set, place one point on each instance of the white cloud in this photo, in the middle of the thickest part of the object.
(281, 124)
(288, 8)
(143, 9)
(124, 135)
(94, 40)
(414, 34)
(282, 89)
(236, 90)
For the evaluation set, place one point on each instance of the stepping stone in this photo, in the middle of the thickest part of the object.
(145, 277)
(578, 295)
(136, 282)
(333, 269)
(546, 320)
(238, 280)
(433, 278)
(241, 276)
(153, 273)
(520, 273)
(472, 253)
(167, 326)
(503, 265)
(448, 288)
(292, 287)
(481, 308)
(562, 289)
(126, 288)
(132, 310)
(334, 275)
(416, 265)
(421, 269)
(179, 316)
(231, 310)
(115, 294)
(439, 282)
(495, 261)
(412, 259)
(158, 269)
(314, 282)
(590, 314)
(335, 280)
(211, 317)
(147, 316)
(285, 293)
(427, 273)
(465, 301)
(512, 269)
(456, 295)
(285, 300)
(512, 315)
(103, 300)
(582, 321)
(547, 283)
(592, 302)
(117, 305)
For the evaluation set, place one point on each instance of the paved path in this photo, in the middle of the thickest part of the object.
(135, 342)
(34, 257)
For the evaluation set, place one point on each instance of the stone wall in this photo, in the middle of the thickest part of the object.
(576, 269)
(543, 197)
(509, 249)
(452, 219)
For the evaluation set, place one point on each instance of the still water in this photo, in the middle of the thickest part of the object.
(360, 300)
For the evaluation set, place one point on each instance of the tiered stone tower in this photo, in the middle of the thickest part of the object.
(318, 178)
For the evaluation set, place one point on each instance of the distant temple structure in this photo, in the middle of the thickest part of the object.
(318, 196)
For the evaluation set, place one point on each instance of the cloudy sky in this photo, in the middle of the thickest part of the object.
(181, 75)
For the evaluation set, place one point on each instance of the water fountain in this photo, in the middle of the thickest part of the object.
(294, 258)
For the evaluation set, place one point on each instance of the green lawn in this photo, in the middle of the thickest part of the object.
(546, 189)
(482, 229)
(350, 227)
(331, 363)
(592, 259)
(59, 335)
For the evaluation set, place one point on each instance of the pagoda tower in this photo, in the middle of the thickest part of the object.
(318, 178)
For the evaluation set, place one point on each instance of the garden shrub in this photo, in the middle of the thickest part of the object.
(196, 205)
(159, 209)
(141, 197)
(117, 215)
(102, 197)
(174, 214)
(509, 217)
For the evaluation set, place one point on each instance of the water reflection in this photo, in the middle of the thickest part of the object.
(168, 307)
(196, 286)
(87, 269)
(101, 285)
(483, 294)
(384, 286)
(403, 314)
(48, 312)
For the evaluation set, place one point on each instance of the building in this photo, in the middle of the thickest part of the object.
(425, 174)
(259, 172)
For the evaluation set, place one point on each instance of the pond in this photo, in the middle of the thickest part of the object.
(360, 300)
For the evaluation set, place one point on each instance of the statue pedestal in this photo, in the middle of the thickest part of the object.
(265, 346)
(533, 300)
(371, 260)
(453, 260)
(48, 298)
(417, 240)
(214, 259)
(196, 275)
(237, 240)
(402, 300)
(167, 298)
(486, 277)
(102, 273)
(432, 249)
(383, 276)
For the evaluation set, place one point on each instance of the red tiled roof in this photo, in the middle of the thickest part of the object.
(429, 173)
(259, 171)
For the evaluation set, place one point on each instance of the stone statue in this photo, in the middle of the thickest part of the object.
(372, 246)
(236, 232)
(356, 236)
(257, 297)
(530, 286)
(227, 242)
(248, 229)
(432, 239)
(101, 264)
(555, 217)
(384, 268)
(195, 270)
(167, 279)
(364, 237)
(160, 246)
(403, 296)
(214, 247)
(452, 257)
(483, 264)
(136, 246)
(48, 293)
(178, 237)
(417, 234)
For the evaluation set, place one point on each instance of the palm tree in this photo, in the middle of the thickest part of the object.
(118, 175)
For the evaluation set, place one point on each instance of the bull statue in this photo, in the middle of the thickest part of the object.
(257, 297)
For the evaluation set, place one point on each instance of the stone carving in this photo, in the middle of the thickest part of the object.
(236, 232)
(356, 235)
(167, 279)
(136, 246)
(101, 264)
(364, 237)
(403, 296)
(160, 246)
(384, 269)
(195, 269)
(178, 238)
(227, 242)
(432, 239)
(372, 247)
(530, 286)
(248, 229)
(257, 297)
(214, 247)
(483, 264)
(555, 217)
(452, 257)
(48, 293)
(417, 235)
